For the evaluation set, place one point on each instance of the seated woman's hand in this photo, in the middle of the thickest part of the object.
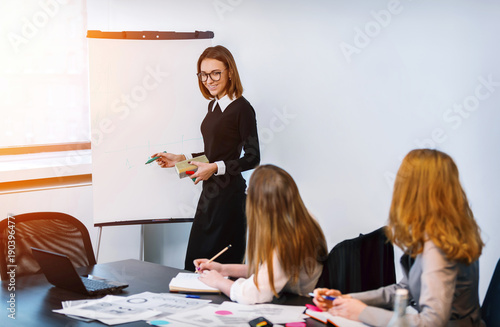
(321, 302)
(212, 278)
(202, 264)
(347, 307)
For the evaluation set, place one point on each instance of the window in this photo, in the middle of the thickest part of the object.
(43, 73)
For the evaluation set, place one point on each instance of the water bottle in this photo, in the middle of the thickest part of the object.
(400, 303)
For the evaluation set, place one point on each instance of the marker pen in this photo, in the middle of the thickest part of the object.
(153, 159)
(189, 296)
(326, 297)
(190, 172)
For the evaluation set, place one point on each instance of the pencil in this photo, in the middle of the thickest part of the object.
(217, 255)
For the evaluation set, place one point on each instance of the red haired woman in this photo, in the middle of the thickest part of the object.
(431, 221)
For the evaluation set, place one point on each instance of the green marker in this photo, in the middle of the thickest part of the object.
(153, 159)
(190, 172)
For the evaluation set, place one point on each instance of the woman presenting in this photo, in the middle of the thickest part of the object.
(228, 128)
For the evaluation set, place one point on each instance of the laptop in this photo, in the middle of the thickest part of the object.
(60, 272)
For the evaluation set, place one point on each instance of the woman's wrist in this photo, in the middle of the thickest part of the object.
(215, 168)
(223, 270)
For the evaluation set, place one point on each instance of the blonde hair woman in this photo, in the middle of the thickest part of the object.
(285, 243)
(431, 221)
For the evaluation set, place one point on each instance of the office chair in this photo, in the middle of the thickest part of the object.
(490, 310)
(51, 231)
(360, 264)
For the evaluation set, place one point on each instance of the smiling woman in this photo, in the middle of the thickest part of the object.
(229, 129)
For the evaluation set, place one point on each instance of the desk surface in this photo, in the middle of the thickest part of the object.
(36, 298)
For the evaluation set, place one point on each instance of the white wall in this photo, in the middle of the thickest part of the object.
(344, 89)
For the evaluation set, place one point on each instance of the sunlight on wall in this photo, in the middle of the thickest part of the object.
(43, 72)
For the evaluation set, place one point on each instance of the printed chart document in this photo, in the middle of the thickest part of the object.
(189, 283)
(325, 317)
(233, 314)
(113, 310)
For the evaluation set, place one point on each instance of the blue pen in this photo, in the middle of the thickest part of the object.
(192, 296)
(326, 297)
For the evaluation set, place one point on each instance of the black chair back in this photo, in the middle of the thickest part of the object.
(51, 231)
(490, 310)
(360, 264)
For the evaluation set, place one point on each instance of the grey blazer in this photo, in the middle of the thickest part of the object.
(444, 293)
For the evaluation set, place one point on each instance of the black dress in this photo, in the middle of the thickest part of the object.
(220, 215)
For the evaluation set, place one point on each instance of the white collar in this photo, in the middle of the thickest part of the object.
(223, 102)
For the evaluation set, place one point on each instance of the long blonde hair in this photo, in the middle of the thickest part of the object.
(429, 203)
(278, 221)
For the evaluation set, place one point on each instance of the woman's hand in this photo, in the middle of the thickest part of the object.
(213, 278)
(167, 160)
(347, 307)
(202, 265)
(204, 172)
(321, 302)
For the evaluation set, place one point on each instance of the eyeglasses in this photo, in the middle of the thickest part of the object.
(214, 76)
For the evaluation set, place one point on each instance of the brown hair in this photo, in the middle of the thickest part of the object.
(278, 222)
(234, 89)
(429, 203)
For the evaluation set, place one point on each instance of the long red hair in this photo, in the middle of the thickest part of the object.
(429, 203)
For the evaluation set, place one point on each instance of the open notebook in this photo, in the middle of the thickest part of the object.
(325, 318)
(189, 283)
(60, 272)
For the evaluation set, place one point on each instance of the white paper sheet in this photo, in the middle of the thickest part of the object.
(189, 281)
(232, 314)
(113, 310)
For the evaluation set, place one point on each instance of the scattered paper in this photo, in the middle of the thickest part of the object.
(177, 310)
(113, 310)
(233, 314)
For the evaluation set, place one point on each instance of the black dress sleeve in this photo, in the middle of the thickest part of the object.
(247, 126)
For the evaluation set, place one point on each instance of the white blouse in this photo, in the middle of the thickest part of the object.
(245, 291)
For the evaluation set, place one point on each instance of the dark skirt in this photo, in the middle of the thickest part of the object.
(219, 221)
